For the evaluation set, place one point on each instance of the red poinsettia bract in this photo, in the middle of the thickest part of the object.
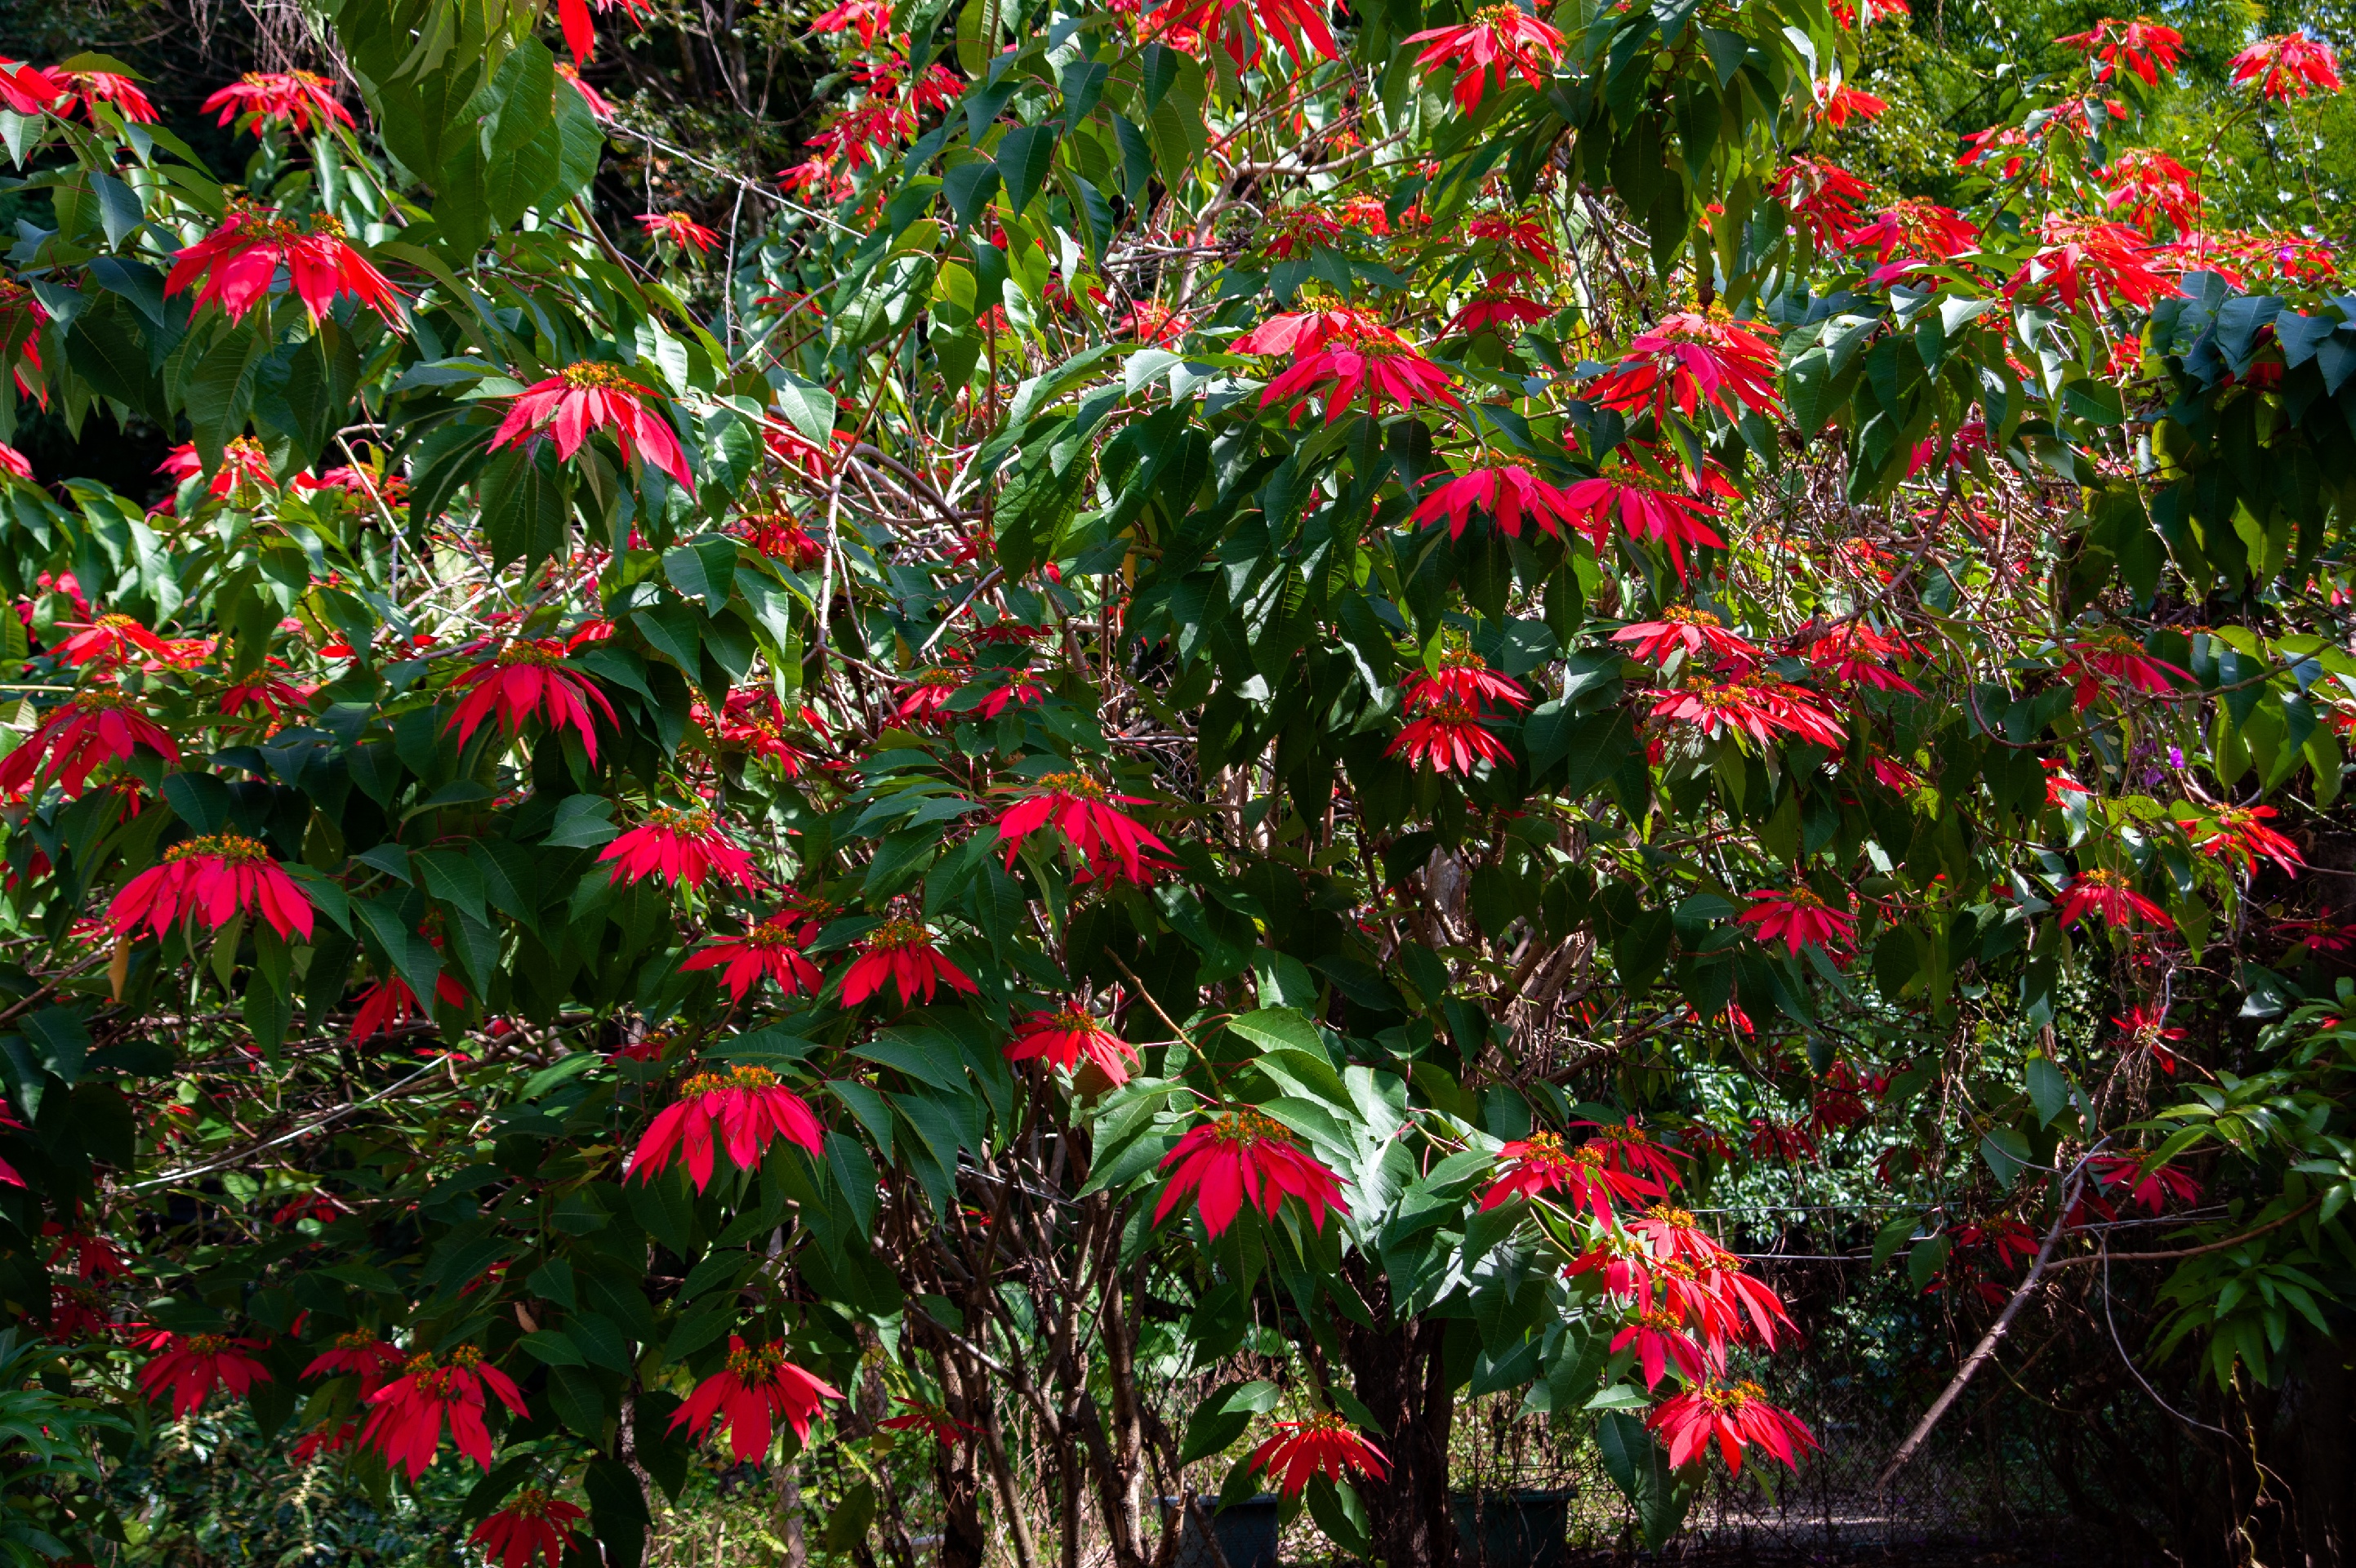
(772, 947)
(742, 1112)
(528, 676)
(1449, 709)
(93, 727)
(1687, 359)
(1734, 1415)
(1697, 634)
(2144, 47)
(295, 98)
(1647, 512)
(580, 34)
(1539, 1163)
(1855, 652)
(750, 1395)
(1500, 40)
(677, 229)
(1346, 353)
(947, 1430)
(28, 90)
(405, 1416)
(2109, 894)
(2289, 66)
(679, 846)
(1068, 1036)
(1756, 710)
(1107, 841)
(2115, 656)
(1239, 23)
(359, 1354)
(533, 1526)
(85, 90)
(1912, 231)
(1837, 103)
(1325, 1445)
(1246, 1155)
(218, 877)
(237, 261)
(2088, 261)
(902, 951)
(589, 396)
(191, 1366)
(1508, 492)
(388, 1004)
(2236, 833)
(1822, 197)
(1799, 917)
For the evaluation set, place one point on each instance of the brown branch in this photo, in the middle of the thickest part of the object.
(2188, 1251)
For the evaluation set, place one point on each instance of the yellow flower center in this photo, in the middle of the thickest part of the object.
(543, 651)
(704, 1083)
(899, 933)
(755, 1363)
(589, 375)
(1078, 784)
(1681, 1218)
(207, 1344)
(693, 823)
(234, 848)
(1247, 1127)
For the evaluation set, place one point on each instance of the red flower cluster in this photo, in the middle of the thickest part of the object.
(1292, 23)
(1756, 709)
(1447, 728)
(1507, 491)
(1800, 917)
(1500, 40)
(1687, 359)
(359, 1354)
(1697, 635)
(2235, 832)
(2142, 46)
(758, 1386)
(405, 1416)
(1106, 840)
(2289, 66)
(1912, 231)
(1649, 511)
(86, 89)
(741, 1111)
(91, 729)
(901, 952)
(588, 396)
(237, 261)
(1244, 1154)
(2087, 262)
(533, 1526)
(1837, 103)
(528, 676)
(1539, 1163)
(1325, 1445)
(680, 846)
(295, 98)
(388, 1004)
(1734, 1415)
(772, 947)
(191, 1366)
(1346, 354)
(1069, 1035)
(679, 229)
(2110, 894)
(1821, 197)
(218, 877)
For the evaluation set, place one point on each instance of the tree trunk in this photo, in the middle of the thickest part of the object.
(1399, 1376)
(963, 1544)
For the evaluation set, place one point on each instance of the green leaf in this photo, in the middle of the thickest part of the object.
(525, 505)
(1024, 159)
(969, 188)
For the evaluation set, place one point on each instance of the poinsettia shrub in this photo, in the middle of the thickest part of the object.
(1244, 641)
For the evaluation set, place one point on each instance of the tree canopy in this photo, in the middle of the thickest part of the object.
(1232, 689)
